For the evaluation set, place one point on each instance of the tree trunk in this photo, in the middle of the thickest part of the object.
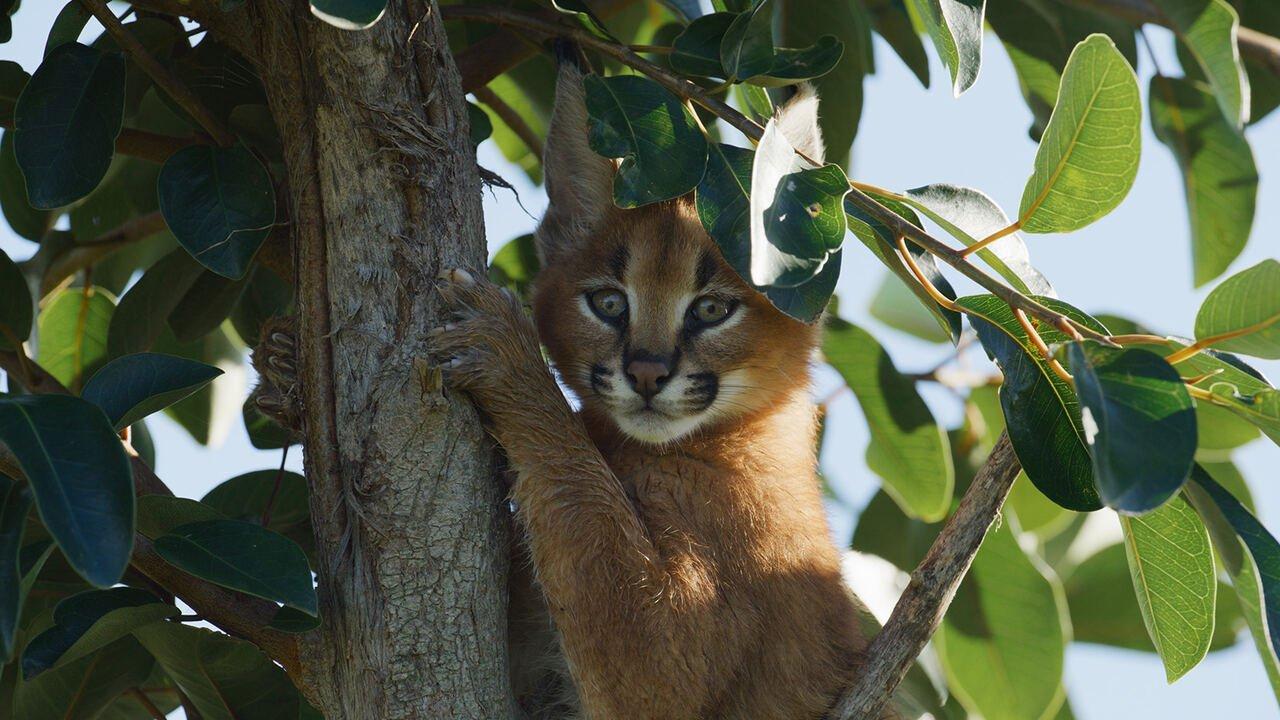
(385, 193)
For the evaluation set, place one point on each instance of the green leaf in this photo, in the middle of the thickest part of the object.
(209, 413)
(1246, 306)
(1219, 429)
(206, 305)
(349, 14)
(1139, 423)
(1218, 172)
(293, 621)
(73, 330)
(663, 152)
(1252, 559)
(67, 26)
(219, 203)
(132, 387)
(796, 218)
(1264, 83)
(893, 23)
(88, 621)
(1207, 28)
(1042, 410)
(895, 306)
(527, 89)
(479, 127)
(143, 313)
(696, 51)
(245, 497)
(24, 220)
(66, 123)
(12, 80)
(845, 29)
(78, 471)
(1171, 564)
(82, 689)
(15, 313)
(746, 50)
(159, 514)
(969, 216)
(908, 449)
(267, 296)
(955, 26)
(1088, 156)
(225, 678)
(15, 501)
(1002, 641)
(515, 264)
(264, 433)
(221, 78)
(885, 531)
(242, 556)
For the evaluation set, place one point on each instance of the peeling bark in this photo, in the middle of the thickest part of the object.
(384, 193)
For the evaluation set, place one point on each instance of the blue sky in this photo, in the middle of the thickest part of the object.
(1135, 262)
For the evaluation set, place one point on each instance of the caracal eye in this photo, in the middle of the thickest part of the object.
(608, 303)
(710, 309)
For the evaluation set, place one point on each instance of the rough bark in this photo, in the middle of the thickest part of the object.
(384, 193)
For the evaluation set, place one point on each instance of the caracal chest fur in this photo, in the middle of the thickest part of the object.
(675, 560)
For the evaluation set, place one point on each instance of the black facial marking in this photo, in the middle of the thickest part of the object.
(702, 389)
(618, 262)
(706, 269)
(598, 375)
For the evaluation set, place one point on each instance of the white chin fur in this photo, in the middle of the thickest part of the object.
(657, 429)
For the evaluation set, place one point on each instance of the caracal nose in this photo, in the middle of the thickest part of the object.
(648, 376)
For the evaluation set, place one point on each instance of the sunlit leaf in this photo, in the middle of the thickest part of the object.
(955, 26)
(895, 306)
(1245, 306)
(73, 329)
(1208, 28)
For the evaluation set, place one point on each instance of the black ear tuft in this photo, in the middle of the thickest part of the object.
(569, 53)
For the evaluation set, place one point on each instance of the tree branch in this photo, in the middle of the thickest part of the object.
(933, 584)
(1254, 44)
(83, 254)
(159, 73)
(236, 613)
(142, 144)
(689, 90)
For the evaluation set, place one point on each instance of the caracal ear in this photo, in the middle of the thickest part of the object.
(579, 182)
(798, 121)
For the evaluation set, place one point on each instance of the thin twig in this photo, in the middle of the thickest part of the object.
(512, 118)
(920, 608)
(176, 89)
(84, 255)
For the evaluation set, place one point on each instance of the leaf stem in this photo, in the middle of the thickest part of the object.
(652, 49)
(1206, 343)
(1138, 339)
(275, 489)
(146, 703)
(984, 242)
(924, 281)
(1041, 347)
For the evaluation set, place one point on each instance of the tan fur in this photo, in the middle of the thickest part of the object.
(688, 577)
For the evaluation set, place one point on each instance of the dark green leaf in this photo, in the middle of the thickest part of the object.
(67, 26)
(264, 433)
(349, 14)
(80, 476)
(132, 387)
(223, 677)
(210, 412)
(221, 78)
(955, 26)
(143, 313)
(664, 153)
(15, 501)
(15, 313)
(245, 497)
(66, 123)
(1138, 421)
(885, 531)
(845, 29)
(1207, 28)
(746, 50)
(969, 216)
(806, 301)
(696, 51)
(908, 450)
(1264, 82)
(242, 556)
(159, 514)
(12, 80)
(1088, 156)
(88, 621)
(266, 297)
(1041, 409)
(24, 220)
(293, 621)
(893, 23)
(1218, 172)
(478, 124)
(206, 305)
(140, 439)
(81, 689)
(1002, 642)
(73, 330)
(219, 203)
(1246, 306)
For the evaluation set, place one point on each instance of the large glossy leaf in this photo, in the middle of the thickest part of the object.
(802, 23)
(66, 123)
(67, 26)
(1218, 171)
(15, 501)
(1138, 421)
(1088, 156)
(12, 80)
(242, 556)
(206, 305)
(160, 514)
(696, 51)
(143, 313)
(746, 50)
(663, 152)
(88, 621)
(15, 313)
(349, 14)
(1002, 642)
(955, 26)
(81, 690)
(969, 215)
(1207, 28)
(1251, 556)
(908, 449)
(1042, 410)
(80, 476)
(132, 387)
(210, 412)
(1171, 564)
(225, 678)
(73, 334)
(219, 203)
(247, 496)
(1247, 304)
(25, 220)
